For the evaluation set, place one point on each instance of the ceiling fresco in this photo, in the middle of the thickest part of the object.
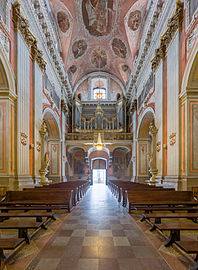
(99, 35)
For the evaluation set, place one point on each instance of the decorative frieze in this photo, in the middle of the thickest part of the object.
(174, 24)
(21, 25)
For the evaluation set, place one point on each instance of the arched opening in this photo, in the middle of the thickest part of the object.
(99, 170)
(8, 128)
(121, 157)
(52, 146)
(144, 147)
(98, 165)
(76, 163)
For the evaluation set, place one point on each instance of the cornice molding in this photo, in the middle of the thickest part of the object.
(21, 25)
(47, 32)
(174, 24)
(150, 34)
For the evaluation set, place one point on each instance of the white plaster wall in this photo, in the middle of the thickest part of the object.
(37, 115)
(173, 106)
(23, 85)
(158, 114)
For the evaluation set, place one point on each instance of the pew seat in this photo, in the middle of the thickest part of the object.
(28, 198)
(22, 227)
(175, 229)
(150, 209)
(159, 216)
(38, 215)
(190, 247)
(7, 244)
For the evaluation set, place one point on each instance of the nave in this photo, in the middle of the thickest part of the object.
(98, 234)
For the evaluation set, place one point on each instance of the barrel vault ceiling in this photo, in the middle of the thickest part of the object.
(99, 35)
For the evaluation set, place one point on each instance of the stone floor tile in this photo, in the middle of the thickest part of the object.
(121, 241)
(145, 252)
(130, 264)
(47, 264)
(88, 264)
(108, 264)
(105, 233)
(107, 252)
(90, 252)
(90, 241)
(60, 241)
(78, 233)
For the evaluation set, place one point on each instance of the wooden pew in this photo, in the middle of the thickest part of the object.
(14, 207)
(147, 209)
(22, 227)
(6, 244)
(161, 198)
(159, 216)
(38, 215)
(63, 199)
(75, 195)
(175, 229)
(128, 192)
(190, 247)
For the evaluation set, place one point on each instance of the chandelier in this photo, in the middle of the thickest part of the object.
(99, 145)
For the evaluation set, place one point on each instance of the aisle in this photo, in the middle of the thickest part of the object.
(98, 235)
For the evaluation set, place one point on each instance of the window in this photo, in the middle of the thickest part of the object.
(99, 93)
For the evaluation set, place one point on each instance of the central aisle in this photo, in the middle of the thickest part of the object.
(99, 234)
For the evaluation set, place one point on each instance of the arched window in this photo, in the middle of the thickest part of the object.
(99, 93)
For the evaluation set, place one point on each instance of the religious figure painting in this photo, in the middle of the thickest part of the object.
(98, 16)
(134, 20)
(63, 21)
(79, 47)
(119, 48)
(99, 58)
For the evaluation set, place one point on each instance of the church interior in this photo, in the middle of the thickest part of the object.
(99, 134)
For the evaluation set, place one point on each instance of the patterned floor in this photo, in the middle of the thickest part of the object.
(99, 234)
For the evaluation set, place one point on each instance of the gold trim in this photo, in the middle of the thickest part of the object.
(21, 25)
(174, 24)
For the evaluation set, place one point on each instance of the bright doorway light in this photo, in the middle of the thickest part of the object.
(99, 176)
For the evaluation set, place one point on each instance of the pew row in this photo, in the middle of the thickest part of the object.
(60, 199)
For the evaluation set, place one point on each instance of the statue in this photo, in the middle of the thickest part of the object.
(47, 161)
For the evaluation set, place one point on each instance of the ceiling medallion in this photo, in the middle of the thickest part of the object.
(63, 21)
(99, 58)
(79, 47)
(119, 48)
(134, 20)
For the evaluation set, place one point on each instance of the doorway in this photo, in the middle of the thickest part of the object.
(99, 176)
(99, 171)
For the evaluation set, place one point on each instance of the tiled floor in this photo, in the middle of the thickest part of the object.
(98, 235)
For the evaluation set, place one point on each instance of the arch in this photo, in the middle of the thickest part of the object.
(101, 74)
(52, 122)
(192, 60)
(10, 77)
(148, 114)
(93, 149)
(93, 159)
